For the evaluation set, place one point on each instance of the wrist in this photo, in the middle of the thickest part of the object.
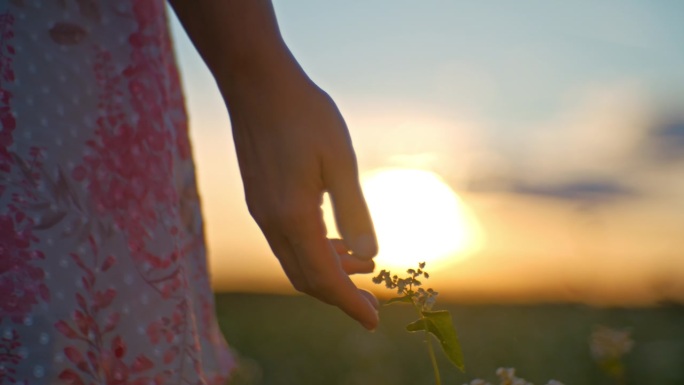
(240, 42)
(257, 67)
(268, 80)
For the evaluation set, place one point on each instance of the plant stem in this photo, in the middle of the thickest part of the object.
(431, 351)
(433, 359)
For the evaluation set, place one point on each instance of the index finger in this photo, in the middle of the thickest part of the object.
(325, 277)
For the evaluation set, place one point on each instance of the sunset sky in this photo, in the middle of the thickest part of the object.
(559, 127)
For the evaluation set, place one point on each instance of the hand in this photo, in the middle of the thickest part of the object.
(292, 146)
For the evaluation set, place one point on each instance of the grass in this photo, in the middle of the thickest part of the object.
(294, 340)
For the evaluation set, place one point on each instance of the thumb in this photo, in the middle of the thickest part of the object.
(352, 216)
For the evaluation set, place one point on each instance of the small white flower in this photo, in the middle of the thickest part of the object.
(478, 381)
(610, 344)
(506, 373)
(521, 381)
(430, 302)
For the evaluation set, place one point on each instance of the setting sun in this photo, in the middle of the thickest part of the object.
(418, 217)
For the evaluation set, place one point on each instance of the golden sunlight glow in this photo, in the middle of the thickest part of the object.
(418, 217)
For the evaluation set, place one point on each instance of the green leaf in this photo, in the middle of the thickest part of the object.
(439, 324)
(406, 298)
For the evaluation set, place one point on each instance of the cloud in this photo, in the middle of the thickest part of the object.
(665, 140)
(614, 142)
(586, 191)
(597, 137)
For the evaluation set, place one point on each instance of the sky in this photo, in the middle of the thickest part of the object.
(557, 129)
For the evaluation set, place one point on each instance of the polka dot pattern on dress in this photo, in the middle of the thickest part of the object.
(95, 124)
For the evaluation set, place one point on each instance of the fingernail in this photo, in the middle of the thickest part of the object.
(372, 327)
(365, 246)
(376, 304)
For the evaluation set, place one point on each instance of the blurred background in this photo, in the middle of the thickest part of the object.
(531, 152)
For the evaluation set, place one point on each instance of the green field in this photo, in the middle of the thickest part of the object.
(294, 340)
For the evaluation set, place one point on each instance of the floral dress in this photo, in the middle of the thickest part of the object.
(103, 275)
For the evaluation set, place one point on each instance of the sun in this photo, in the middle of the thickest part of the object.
(417, 218)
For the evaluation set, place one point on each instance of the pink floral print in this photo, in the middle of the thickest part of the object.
(103, 275)
(20, 279)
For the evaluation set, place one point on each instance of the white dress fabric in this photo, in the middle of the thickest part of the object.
(103, 274)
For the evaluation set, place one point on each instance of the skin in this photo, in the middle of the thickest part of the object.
(292, 146)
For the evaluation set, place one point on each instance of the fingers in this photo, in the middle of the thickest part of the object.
(323, 274)
(351, 212)
(351, 264)
(371, 298)
(339, 246)
(318, 266)
(288, 260)
(341, 180)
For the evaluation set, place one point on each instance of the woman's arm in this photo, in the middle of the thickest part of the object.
(292, 145)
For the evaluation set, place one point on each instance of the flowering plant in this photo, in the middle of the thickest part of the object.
(608, 347)
(438, 323)
(507, 377)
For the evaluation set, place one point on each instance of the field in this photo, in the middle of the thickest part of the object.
(294, 340)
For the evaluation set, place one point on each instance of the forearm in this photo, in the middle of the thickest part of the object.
(239, 41)
(292, 144)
